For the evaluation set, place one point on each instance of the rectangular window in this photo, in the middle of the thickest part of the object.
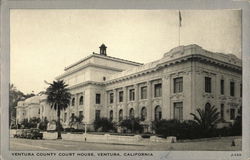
(178, 110)
(158, 90)
(208, 85)
(72, 118)
(121, 96)
(178, 85)
(98, 98)
(222, 111)
(240, 90)
(81, 100)
(131, 94)
(144, 92)
(231, 88)
(222, 86)
(232, 114)
(97, 114)
(111, 98)
(80, 113)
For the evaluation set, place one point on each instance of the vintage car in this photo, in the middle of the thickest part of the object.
(18, 133)
(34, 133)
(24, 133)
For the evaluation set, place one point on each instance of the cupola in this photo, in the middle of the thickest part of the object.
(103, 50)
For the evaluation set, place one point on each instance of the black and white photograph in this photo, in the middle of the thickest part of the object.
(102, 83)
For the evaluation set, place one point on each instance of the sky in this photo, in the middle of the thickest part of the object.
(43, 42)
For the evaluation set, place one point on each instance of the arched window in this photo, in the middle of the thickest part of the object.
(81, 100)
(131, 113)
(120, 115)
(157, 113)
(143, 113)
(111, 115)
(73, 102)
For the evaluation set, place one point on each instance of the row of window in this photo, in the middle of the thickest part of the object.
(80, 101)
(178, 87)
(178, 113)
(208, 87)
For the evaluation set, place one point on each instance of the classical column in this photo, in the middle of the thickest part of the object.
(115, 105)
(136, 86)
(77, 104)
(125, 109)
(106, 103)
(149, 97)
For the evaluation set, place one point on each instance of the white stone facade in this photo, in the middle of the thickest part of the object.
(184, 79)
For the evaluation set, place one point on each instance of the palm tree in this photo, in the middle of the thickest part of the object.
(207, 118)
(58, 97)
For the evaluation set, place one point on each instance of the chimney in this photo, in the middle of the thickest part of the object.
(103, 50)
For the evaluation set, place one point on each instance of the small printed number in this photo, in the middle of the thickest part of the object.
(235, 154)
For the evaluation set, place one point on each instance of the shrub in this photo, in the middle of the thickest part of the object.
(76, 121)
(43, 125)
(73, 130)
(132, 124)
(207, 118)
(32, 123)
(69, 129)
(145, 135)
(103, 124)
(181, 130)
(236, 128)
(191, 130)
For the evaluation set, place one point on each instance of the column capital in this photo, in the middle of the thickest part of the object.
(149, 82)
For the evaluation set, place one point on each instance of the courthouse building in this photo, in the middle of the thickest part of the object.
(184, 79)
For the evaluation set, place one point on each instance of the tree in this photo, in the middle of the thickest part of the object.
(58, 97)
(207, 118)
(43, 124)
(132, 124)
(104, 124)
(75, 121)
(14, 96)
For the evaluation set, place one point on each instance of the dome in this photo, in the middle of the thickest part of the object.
(34, 99)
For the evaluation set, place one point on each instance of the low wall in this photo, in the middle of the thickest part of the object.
(49, 135)
(106, 138)
(170, 139)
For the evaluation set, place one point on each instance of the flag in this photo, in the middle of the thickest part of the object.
(180, 19)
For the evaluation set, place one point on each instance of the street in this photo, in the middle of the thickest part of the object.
(223, 144)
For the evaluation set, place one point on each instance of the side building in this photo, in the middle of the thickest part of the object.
(34, 107)
(184, 79)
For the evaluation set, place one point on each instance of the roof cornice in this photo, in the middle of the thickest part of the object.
(85, 84)
(85, 66)
(103, 57)
(195, 57)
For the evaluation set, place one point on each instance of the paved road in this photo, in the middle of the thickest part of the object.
(18, 144)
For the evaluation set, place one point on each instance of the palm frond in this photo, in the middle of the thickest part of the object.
(207, 118)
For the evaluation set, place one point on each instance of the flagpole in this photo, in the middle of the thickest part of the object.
(180, 19)
(179, 34)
